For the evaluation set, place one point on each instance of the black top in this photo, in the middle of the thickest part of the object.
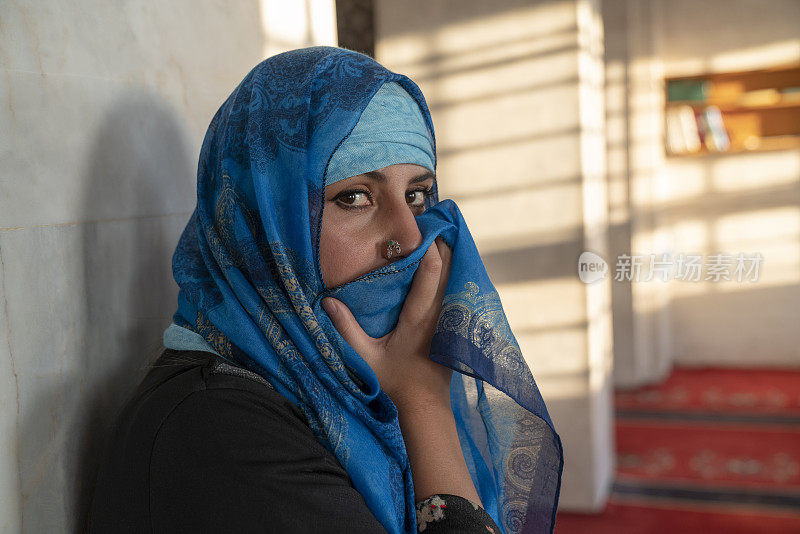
(204, 446)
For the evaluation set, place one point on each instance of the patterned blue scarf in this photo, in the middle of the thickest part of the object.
(250, 284)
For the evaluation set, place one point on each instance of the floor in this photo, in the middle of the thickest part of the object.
(708, 451)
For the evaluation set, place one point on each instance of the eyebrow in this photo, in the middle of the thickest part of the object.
(378, 176)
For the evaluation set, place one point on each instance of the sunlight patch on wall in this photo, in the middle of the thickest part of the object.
(289, 24)
(529, 217)
(756, 57)
(774, 233)
(492, 36)
(754, 172)
(540, 304)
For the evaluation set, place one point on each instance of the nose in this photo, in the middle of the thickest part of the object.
(400, 225)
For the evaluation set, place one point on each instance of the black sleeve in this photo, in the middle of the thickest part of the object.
(229, 460)
(198, 451)
(447, 514)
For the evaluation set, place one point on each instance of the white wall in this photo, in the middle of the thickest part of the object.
(515, 90)
(104, 108)
(699, 205)
(734, 203)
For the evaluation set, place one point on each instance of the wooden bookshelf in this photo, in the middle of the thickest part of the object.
(734, 112)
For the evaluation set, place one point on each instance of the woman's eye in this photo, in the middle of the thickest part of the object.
(416, 198)
(354, 199)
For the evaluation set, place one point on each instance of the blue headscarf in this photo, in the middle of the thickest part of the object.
(391, 130)
(250, 285)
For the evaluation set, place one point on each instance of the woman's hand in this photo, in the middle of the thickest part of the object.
(419, 387)
(400, 358)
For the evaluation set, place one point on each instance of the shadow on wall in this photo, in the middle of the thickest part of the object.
(127, 269)
(128, 296)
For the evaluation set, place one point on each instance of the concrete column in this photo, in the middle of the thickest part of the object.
(634, 130)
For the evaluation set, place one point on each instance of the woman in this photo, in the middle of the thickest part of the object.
(325, 299)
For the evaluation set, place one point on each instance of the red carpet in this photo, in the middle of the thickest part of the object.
(711, 451)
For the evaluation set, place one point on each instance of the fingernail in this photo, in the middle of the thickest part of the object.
(329, 305)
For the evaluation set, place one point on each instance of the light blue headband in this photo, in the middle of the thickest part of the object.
(391, 130)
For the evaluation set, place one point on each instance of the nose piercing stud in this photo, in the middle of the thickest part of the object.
(392, 249)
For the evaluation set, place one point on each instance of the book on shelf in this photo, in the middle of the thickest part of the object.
(716, 137)
(761, 97)
(683, 136)
(790, 95)
(691, 90)
(688, 130)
